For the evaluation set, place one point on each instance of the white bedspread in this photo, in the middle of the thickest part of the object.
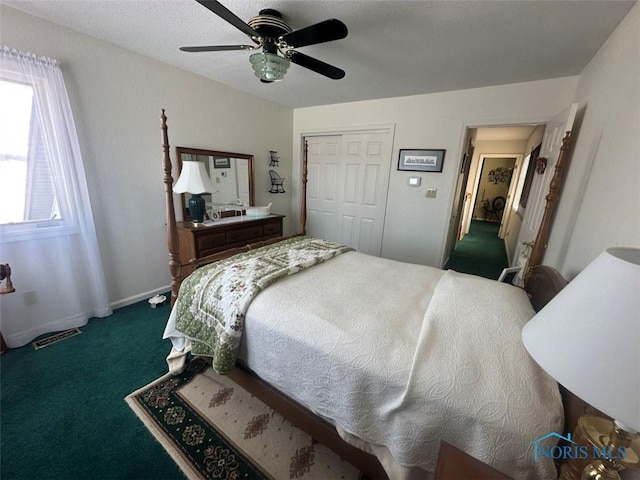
(420, 356)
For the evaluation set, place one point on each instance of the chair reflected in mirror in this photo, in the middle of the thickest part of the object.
(276, 182)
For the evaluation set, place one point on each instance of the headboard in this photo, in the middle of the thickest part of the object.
(543, 284)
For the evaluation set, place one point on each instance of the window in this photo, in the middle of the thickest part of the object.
(46, 224)
(26, 183)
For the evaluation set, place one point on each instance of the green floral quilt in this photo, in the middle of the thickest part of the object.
(213, 300)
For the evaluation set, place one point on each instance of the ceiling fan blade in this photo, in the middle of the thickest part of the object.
(316, 65)
(216, 48)
(326, 31)
(226, 14)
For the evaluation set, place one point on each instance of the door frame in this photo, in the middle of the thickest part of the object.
(468, 214)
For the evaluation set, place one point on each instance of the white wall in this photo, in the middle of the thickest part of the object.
(415, 226)
(116, 97)
(600, 203)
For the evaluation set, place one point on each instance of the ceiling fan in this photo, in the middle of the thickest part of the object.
(271, 34)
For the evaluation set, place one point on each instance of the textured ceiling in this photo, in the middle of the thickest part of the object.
(394, 48)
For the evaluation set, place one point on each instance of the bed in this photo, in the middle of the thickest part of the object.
(380, 377)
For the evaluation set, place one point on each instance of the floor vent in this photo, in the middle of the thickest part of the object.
(45, 342)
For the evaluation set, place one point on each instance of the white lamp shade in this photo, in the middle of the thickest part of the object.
(588, 336)
(193, 179)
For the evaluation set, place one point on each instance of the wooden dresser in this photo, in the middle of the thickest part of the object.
(230, 232)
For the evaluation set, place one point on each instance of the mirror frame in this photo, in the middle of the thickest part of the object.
(213, 153)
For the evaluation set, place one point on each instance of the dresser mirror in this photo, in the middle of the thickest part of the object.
(230, 173)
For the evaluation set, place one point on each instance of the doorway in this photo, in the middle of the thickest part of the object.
(492, 188)
(488, 224)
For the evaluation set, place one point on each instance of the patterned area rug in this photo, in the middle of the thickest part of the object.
(214, 429)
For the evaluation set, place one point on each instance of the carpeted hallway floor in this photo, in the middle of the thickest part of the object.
(63, 414)
(480, 252)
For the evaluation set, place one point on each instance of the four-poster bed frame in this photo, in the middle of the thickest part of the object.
(541, 283)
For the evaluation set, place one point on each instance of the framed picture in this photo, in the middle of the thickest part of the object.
(509, 274)
(421, 160)
(221, 162)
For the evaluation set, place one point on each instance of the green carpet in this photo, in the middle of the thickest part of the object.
(481, 252)
(62, 410)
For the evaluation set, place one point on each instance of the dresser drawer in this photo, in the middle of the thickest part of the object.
(210, 243)
(271, 228)
(202, 241)
(244, 234)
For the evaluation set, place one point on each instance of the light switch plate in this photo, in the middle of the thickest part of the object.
(431, 192)
(414, 181)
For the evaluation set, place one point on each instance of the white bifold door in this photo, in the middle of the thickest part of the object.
(348, 181)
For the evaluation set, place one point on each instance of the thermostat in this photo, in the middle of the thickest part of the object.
(414, 181)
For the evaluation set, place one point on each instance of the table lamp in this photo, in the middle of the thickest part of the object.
(194, 180)
(588, 339)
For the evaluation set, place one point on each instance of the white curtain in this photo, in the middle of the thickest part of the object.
(56, 265)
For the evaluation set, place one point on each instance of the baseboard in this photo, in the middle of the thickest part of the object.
(21, 339)
(138, 298)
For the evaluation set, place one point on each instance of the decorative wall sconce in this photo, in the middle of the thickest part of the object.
(274, 158)
(276, 182)
(541, 165)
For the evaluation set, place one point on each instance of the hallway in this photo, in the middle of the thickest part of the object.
(480, 252)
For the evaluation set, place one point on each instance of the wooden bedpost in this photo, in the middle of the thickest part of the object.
(172, 231)
(303, 208)
(542, 239)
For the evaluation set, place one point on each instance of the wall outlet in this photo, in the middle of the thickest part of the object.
(431, 193)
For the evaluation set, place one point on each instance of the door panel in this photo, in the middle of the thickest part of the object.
(348, 184)
(322, 194)
(550, 149)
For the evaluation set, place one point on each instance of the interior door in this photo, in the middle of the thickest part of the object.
(455, 222)
(348, 180)
(508, 207)
(552, 141)
(323, 165)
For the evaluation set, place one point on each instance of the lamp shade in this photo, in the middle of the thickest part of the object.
(193, 179)
(588, 336)
(269, 66)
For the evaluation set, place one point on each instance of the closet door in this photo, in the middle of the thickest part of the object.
(347, 189)
(324, 159)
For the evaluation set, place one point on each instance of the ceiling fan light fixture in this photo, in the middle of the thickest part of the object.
(269, 66)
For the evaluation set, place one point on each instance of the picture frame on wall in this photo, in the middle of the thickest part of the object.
(421, 160)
